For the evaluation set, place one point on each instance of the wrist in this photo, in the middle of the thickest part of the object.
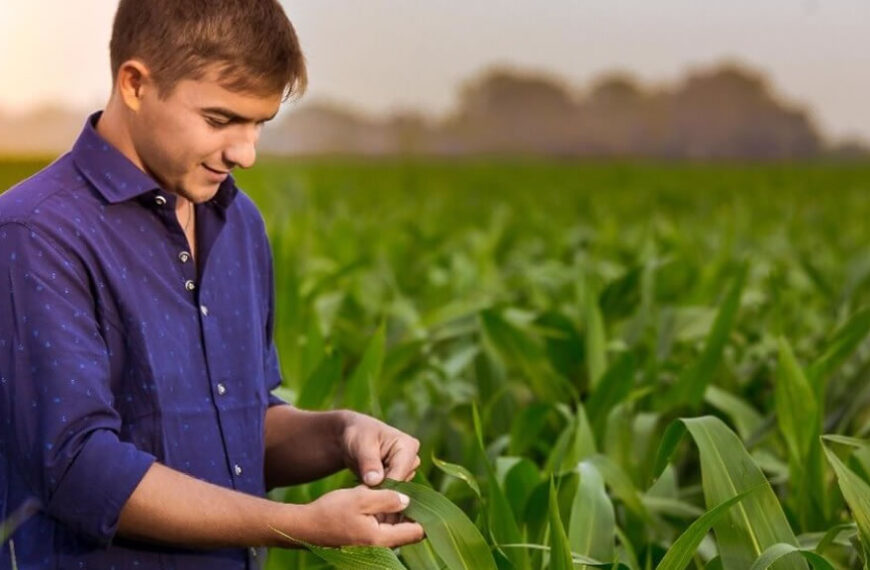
(291, 520)
(340, 421)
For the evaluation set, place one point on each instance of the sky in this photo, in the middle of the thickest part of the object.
(384, 55)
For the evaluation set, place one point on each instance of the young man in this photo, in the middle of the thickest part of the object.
(136, 353)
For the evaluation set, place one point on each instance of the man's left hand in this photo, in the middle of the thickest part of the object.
(375, 451)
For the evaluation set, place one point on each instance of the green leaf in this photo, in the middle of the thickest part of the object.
(727, 470)
(842, 344)
(320, 386)
(515, 346)
(499, 514)
(560, 549)
(683, 549)
(577, 558)
(620, 484)
(856, 491)
(421, 556)
(832, 534)
(596, 340)
(7, 528)
(519, 483)
(692, 383)
(796, 407)
(353, 557)
(592, 526)
(777, 552)
(614, 387)
(745, 418)
(361, 389)
(798, 417)
(459, 472)
(453, 537)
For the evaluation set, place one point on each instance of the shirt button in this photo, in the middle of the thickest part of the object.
(204, 310)
(183, 257)
(237, 469)
(253, 552)
(160, 201)
(221, 389)
(189, 285)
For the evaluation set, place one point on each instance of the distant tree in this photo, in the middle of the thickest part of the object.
(510, 111)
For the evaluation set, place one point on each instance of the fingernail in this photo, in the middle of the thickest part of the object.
(405, 499)
(373, 477)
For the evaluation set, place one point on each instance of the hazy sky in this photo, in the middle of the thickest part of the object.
(383, 54)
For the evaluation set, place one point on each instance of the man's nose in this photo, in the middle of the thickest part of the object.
(243, 151)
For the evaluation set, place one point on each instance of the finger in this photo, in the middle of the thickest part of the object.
(389, 518)
(404, 460)
(383, 501)
(394, 535)
(370, 468)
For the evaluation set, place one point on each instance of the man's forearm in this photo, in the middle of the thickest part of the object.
(173, 508)
(301, 446)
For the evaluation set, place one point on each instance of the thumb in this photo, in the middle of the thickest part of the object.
(371, 469)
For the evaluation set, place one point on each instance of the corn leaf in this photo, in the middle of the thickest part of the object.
(692, 383)
(515, 346)
(727, 470)
(841, 345)
(596, 340)
(683, 549)
(321, 384)
(500, 517)
(421, 556)
(17, 518)
(453, 537)
(778, 552)
(798, 417)
(560, 548)
(459, 472)
(856, 491)
(361, 390)
(614, 387)
(353, 557)
(592, 525)
(796, 408)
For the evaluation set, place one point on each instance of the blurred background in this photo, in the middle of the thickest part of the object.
(588, 78)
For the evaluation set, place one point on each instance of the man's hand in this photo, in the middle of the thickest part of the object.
(352, 517)
(374, 451)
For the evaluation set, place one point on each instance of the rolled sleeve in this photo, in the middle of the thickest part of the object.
(56, 389)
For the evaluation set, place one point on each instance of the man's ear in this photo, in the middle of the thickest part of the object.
(133, 80)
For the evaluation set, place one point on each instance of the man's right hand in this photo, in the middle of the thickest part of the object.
(349, 517)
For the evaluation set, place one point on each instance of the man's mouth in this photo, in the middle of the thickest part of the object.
(216, 175)
(215, 170)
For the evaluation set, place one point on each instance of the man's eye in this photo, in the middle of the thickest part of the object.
(216, 122)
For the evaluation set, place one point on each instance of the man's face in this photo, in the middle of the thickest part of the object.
(191, 140)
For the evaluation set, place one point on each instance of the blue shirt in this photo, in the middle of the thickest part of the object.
(117, 349)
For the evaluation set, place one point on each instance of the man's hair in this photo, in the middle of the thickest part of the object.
(250, 43)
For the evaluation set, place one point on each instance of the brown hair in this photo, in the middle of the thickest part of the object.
(250, 43)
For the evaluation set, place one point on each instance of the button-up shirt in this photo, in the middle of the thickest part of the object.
(118, 349)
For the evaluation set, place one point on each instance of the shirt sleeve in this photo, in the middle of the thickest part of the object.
(61, 431)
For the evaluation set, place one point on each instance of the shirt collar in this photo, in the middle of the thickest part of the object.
(117, 178)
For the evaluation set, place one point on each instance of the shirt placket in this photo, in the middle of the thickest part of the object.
(208, 226)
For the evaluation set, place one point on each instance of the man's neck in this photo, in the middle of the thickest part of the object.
(113, 128)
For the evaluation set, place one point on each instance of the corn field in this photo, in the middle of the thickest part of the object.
(632, 366)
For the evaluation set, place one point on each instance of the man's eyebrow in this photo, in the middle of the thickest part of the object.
(233, 116)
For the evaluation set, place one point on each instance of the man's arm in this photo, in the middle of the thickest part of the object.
(302, 446)
(170, 507)
(61, 431)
